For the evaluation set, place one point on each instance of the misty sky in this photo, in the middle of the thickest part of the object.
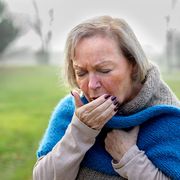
(147, 18)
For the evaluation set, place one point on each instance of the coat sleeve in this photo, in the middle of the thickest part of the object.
(63, 161)
(136, 165)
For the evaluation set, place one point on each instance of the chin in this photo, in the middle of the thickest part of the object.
(120, 100)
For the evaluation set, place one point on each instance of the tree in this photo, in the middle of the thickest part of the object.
(43, 53)
(172, 41)
(8, 31)
(177, 48)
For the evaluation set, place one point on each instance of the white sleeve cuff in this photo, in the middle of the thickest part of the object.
(132, 152)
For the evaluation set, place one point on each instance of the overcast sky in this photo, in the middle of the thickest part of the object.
(146, 17)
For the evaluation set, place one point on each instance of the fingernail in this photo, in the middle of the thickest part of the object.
(116, 108)
(113, 98)
(115, 102)
(72, 93)
(107, 96)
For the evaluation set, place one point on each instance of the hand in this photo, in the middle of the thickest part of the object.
(96, 113)
(118, 142)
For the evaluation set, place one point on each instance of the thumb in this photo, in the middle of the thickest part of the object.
(77, 99)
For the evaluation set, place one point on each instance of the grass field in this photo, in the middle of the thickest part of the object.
(27, 98)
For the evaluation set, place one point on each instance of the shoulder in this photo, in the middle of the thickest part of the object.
(63, 112)
(65, 105)
(60, 119)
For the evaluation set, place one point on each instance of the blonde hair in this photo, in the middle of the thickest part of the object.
(115, 28)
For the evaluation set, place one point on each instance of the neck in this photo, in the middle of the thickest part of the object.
(136, 87)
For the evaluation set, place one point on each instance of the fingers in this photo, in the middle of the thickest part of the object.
(95, 113)
(77, 99)
(110, 102)
(105, 112)
(118, 142)
(108, 110)
(97, 102)
(91, 105)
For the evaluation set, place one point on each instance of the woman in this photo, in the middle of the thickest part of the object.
(97, 135)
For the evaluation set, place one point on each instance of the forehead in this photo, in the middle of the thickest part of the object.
(103, 63)
(107, 40)
(96, 52)
(98, 47)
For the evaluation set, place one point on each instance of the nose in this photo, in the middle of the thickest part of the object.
(94, 82)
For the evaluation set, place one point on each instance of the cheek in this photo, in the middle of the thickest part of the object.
(82, 84)
(116, 84)
(109, 84)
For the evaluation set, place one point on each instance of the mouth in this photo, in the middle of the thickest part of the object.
(92, 98)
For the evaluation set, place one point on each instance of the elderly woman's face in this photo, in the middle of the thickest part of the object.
(100, 68)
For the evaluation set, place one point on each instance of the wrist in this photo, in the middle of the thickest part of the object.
(118, 156)
(121, 153)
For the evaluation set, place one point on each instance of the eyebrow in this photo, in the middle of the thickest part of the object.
(104, 63)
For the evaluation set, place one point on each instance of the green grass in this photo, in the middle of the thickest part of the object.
(173, 80)
(27, 98)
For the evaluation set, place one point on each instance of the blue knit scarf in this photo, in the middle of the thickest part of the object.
(159, 136)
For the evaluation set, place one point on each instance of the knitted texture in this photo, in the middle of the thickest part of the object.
(159, 134)
(159, 137)
(154, 91)
(89, 174)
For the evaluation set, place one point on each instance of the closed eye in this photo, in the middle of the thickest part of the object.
(81, 73)
(104, 70)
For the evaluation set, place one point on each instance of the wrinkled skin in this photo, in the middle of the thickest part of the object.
(101, 69)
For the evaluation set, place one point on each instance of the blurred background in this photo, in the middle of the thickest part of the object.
(32, 39)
